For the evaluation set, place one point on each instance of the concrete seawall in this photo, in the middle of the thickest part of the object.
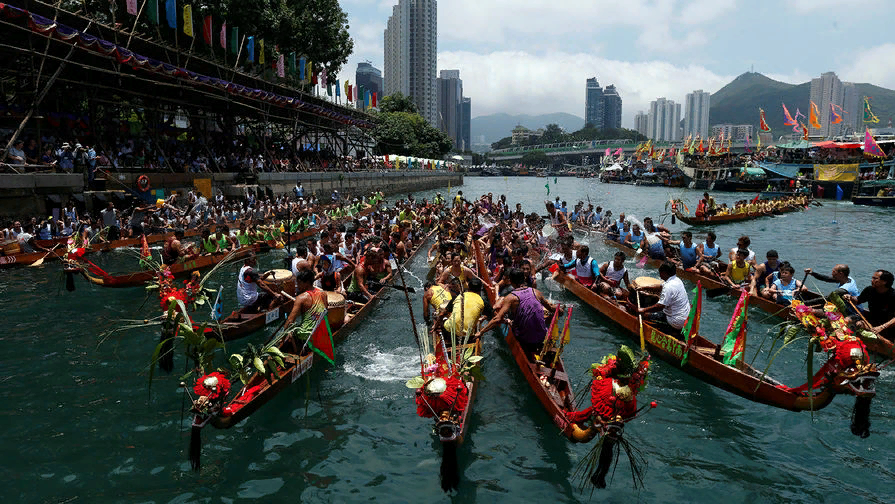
(37, 194)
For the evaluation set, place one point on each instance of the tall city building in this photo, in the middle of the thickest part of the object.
(465, 124)
(370, 78)
(851, 105)
(450, 96)
(696, 114)
(411, 54)
(826, 90)
(734, 132)
(593, 104)
(612, 108)
(664, 119)
(602, 107)
(641, 123)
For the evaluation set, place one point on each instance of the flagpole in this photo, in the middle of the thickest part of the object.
(137, 20)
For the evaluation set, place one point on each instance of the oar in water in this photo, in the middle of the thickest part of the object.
(396, 287)
(41, 260)
(640, 321)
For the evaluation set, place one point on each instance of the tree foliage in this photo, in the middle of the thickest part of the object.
(397, 102)
(406, 133)
(535, 158)
(503, 143)
(316, 29)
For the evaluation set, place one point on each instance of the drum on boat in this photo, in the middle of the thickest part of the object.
(646, 283)
(336, 307)
(283, 279)
(10, 247)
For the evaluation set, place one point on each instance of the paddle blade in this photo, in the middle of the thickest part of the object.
(642, 262)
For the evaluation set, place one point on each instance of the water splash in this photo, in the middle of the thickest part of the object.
(398, 365)
(414, 276)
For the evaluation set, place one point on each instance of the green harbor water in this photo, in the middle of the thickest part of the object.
(81, 425)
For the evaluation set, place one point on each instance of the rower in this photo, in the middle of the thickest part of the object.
(839, 275)
(636, 238)
(880, 299)
(783, 290)
(469, 305)
(738, 272)
(558, 220)
(743, 244)
(457, 270)
(436, 297)
(688, 251)
(709, 204)
(526, 306)
(373, 268)
(709, 252)
(612, 274)
(764, 275)
(172, 249)
(623, 232)
(673, 307)
(310, 305)
(586, 268)
(248, 282)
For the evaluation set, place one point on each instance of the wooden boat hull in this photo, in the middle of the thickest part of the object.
(880, 201)
(877, 346)
(295, 367)
(239, 325)
(727, 219)
(178, 270)
(744, 382)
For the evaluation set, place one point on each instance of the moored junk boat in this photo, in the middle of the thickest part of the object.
(847, 371)
(275, 367)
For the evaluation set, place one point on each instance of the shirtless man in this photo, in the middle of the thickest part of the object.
(374, 268)
(172, 250)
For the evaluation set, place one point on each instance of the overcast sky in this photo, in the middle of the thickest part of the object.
(533, 56)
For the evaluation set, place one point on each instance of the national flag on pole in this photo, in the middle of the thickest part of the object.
(871, 148)
(691, 329)
(223, 40)
(321, 339)
(250, 48)
(171, 13)
(206, 29)
(281, 66)
(188, 20)
(152, 11)
(234, 40)
(734, 345)
(261, 51)
(132, 7)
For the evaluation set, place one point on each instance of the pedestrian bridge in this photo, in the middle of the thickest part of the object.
(584, 148)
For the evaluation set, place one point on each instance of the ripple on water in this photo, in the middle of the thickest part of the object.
(255, 489)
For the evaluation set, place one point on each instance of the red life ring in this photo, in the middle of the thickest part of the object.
(143, 183)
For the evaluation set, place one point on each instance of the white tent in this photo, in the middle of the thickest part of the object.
(614, 167)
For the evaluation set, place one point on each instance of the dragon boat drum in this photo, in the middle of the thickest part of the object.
(336, 308)
(283, 279)
(10, 247)
(649, 296)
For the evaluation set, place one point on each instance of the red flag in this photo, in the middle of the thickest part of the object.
(763, 124)
(224, 35)
(756, 198)
(206, 30)
(321, 340)
(314, 79)
(144, 250)
(132, 7)
(374, 99)
(348, 92)
(701, 148)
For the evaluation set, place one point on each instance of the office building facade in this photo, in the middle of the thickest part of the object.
(696, 114)
(411, 54)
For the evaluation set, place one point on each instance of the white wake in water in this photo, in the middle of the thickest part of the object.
(399, 364)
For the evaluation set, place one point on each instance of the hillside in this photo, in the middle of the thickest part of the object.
(738, 102)
(497, 126)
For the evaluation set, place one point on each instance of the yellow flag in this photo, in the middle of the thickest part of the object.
(309, 72)
(188, 20)
(261, 56)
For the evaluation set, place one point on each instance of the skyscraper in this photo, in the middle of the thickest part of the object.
(851, 105)
(450, 96)
(641, 123)
(411, 50)
(664, 120)
(593, 104)
(696, 120)
(826, 90)
(612, 108)
(465, 124)
(370, 78)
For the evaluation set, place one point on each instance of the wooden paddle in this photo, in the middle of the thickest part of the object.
(640, 321)
(41, 260)
(396, 287)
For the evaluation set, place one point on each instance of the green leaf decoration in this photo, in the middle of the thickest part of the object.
(415, 382)
(259, 365)
(474, 359)
(476, 372)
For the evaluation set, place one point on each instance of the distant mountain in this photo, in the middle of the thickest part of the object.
(497, 126)
(738, 102)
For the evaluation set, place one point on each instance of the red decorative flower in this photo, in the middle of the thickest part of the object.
(172, 295)
(213, 385)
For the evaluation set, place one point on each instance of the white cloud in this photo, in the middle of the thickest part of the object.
(874, 65)
(703, 11)
(829, 5)
(519, 82)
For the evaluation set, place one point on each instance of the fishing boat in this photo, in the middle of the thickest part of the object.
(874, 193)
(547, 376)
(342, 317)
(703, 361)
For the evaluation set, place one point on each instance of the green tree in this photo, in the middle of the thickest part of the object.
(397, 102)
(408, 134)
(552, 134)
(503, 143)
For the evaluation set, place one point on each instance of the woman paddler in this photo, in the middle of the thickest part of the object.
(527, 308)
